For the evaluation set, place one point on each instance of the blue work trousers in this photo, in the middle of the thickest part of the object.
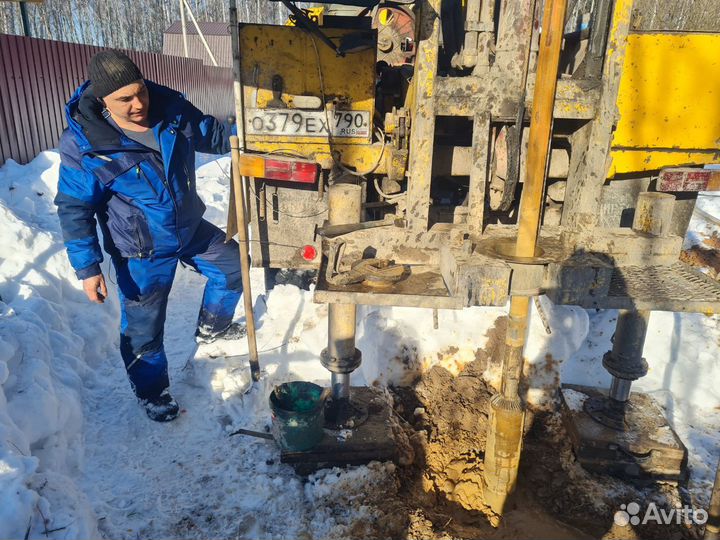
(144, 285)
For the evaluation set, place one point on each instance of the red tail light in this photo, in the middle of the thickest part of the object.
(278, 168)
(304, 171)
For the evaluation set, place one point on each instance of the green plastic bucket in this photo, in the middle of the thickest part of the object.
(297, 415)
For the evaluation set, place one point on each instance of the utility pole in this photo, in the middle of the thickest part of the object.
(25, 22)
(184, 29)
(200, 34)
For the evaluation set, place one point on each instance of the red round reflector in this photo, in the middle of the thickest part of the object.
(309, 253)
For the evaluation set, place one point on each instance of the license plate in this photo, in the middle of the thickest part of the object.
(295, 123)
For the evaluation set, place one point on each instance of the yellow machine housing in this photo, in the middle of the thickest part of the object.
(307, 69)
(669, 103)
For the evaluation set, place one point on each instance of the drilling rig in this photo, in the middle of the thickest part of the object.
(442, 154)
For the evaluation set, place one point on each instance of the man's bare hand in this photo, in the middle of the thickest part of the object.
(91, 286)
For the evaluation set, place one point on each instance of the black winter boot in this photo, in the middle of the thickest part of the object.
(163, 408)
(235, 331)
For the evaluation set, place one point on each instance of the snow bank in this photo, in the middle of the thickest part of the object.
(48, 331)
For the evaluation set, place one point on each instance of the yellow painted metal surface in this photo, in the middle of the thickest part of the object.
(628, 161)
(669, 103)
(314, 13)
(348, 84)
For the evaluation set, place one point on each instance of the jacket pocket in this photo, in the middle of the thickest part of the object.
(129, 230)
(141, 234)
(119, 165)
(141, 176)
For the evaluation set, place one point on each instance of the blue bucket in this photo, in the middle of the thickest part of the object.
(297, 415)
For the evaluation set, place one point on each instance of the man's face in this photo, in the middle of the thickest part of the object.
(130, 103)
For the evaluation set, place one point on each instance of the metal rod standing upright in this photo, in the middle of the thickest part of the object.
(183, 27)
(237, 76)
(341, 357)
(24, 20)
(625, 362)
(504, 441)
(200, 34)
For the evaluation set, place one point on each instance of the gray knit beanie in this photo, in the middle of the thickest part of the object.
(111, 70)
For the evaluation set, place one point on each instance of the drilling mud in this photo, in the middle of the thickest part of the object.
(445, 418)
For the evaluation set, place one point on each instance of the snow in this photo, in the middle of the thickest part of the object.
(574, 399)
(46, 361)
(79, 458)
(700, 228)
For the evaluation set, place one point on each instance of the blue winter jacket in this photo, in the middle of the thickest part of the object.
(145, 203)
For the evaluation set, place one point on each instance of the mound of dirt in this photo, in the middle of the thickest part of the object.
(445, 417)
(589, 501)
(705, 257)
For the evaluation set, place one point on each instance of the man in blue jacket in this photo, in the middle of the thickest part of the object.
(128, 165)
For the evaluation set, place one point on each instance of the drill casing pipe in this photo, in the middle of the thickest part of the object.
(504, 440)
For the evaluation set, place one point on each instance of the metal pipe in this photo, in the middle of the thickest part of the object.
(540, 127)
(514, 343)
(344, 207)
(341, 344)
(341, 318)
(24, 20)
(340, 384)
(200, 34)
(630, 331)
(626, 364)
(244, 257)
(237, 76)
(183, 27)
(620, 389)
(625, 361)
(504, 441)
(712, 527)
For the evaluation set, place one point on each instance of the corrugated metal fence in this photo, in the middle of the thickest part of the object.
(38, 76)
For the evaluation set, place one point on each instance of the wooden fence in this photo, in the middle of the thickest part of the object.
(38, 76)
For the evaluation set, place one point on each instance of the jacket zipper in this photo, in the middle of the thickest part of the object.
(140, 173)
(138, 237)
(187, 175)
(166, 183)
